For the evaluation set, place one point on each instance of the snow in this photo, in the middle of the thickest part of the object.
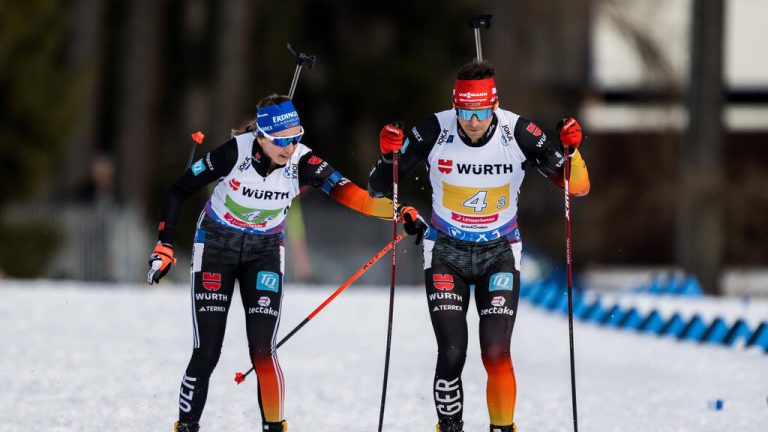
(88, 358)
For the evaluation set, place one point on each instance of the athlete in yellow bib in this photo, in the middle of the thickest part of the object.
(476, 154)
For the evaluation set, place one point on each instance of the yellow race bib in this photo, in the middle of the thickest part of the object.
(475, 201)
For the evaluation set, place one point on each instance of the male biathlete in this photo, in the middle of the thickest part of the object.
(476, 155)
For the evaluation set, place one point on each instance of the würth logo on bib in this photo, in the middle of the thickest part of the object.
(211, 281)
(262, 194)
(485, 169)
(443, 282)
(234, 184)
(445, 166)
(314, 160)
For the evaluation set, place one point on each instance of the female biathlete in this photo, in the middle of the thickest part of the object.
(239, 236)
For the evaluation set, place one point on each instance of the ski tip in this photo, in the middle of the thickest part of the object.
(198, 137)
(239, 378)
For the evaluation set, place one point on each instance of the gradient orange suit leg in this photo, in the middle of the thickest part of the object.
(496, 297)
(261, 288)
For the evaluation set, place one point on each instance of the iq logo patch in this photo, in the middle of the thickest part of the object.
(267, 281)
(198, 167)
(501, 282)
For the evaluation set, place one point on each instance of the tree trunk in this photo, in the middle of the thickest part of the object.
(137, 128)
(229, 95)
(700, 212)
(85, 54)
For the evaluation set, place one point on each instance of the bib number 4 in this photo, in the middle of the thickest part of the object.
(477, 201)
(469, 200)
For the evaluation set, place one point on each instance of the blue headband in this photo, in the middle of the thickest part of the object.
(276, 118)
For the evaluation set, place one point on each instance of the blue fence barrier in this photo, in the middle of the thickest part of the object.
(551, 295)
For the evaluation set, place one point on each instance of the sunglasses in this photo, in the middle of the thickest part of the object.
(282, 141)
(481, 114)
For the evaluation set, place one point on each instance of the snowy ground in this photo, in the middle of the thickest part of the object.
(78, 358)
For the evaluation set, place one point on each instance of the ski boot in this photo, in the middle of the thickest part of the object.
(186, 427)
(275, 426)
(450, 426)
(510, 428)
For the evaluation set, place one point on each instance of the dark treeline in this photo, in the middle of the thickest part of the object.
(133, 79)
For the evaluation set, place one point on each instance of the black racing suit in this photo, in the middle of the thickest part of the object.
(223, 254)
(453, 266)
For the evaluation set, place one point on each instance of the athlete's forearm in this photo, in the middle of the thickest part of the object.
(579, 180)
(350, 195)
(419, 141)
(380, 180)
(174, 200)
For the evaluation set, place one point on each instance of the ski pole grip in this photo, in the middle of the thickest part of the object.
(302, 59)
(197, 139)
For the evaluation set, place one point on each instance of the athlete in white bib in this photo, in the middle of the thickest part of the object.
(476, 155)
(240, 237)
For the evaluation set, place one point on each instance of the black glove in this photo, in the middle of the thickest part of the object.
(412, 222)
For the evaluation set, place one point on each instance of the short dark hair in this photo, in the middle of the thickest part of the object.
(273, 99)
(476, 71)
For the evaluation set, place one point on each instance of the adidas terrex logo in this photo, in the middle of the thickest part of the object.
(445, 166)
(267, 195)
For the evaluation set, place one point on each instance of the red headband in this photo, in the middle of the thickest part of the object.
(474, 93)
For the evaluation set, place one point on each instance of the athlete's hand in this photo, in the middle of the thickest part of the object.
(391, 138)
(570, 132)
(160, 262)
(412, 222)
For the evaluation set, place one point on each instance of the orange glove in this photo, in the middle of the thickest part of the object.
(391, 138)
(570, 132)
(160, 262)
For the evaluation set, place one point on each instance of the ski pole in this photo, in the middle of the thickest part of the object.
(301, 61)
(240, 377)
(197, 139)
(391, 289)
(569, 271)
(476, 22)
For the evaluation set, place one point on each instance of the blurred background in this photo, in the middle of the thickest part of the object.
(98, 100)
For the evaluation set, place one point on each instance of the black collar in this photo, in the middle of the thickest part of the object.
(261, 162)
(483, 139)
